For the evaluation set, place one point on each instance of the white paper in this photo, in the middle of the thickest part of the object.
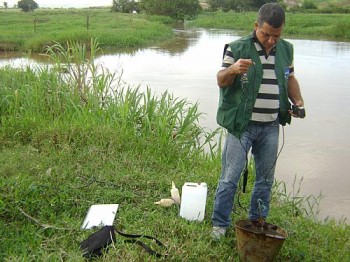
(100, 215)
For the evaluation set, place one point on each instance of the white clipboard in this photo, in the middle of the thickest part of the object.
(100, 215)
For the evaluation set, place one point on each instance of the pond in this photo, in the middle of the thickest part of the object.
(315, 150)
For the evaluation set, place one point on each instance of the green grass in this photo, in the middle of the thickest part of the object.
(334, 2)
(298, 25)
(70, 140)
(36, 30)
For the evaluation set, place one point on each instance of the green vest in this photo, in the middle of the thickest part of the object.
(236, 103)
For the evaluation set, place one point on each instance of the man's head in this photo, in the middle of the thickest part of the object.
(269, 26)
(272, 14)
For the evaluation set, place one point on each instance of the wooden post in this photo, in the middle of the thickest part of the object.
(87, 22)
(35, 25)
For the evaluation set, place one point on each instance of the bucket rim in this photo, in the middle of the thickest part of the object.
(282, 233)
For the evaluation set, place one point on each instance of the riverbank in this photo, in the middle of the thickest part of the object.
(64, 148)
(298, 25)
(34, 31)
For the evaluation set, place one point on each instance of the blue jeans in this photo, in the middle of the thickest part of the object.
(262, 139)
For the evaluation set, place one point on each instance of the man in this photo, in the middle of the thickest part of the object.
(256, 84)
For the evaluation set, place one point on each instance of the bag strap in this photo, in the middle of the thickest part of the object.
(142, 244)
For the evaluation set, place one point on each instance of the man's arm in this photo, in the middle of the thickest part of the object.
(294, 93)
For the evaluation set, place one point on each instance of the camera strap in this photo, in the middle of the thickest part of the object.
(101, 240)
(148, 249)
(245, 177)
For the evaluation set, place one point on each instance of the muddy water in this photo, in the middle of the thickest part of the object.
(315, 150)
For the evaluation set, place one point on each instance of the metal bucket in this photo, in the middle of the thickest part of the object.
(258, 244)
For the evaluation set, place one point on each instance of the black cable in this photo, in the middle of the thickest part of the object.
(277, 156)
(245, 170)
(245, 148)
(274, 163)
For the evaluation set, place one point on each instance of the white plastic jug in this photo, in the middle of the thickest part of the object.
(193, 200)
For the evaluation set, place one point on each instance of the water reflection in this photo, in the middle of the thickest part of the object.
(316, 148)
(183, 40)
(14, 56)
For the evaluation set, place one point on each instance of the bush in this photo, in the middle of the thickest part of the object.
(308, 4)
(27, 5)
(125, 6)
(178, 9)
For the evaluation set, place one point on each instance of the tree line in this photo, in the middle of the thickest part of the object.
(176, 9)
(184, 9)
(181, 9)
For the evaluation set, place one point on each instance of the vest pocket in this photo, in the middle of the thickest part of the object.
(226, 116)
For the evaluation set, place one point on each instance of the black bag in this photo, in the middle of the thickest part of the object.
(100, 240)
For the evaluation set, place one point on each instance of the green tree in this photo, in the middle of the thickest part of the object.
(5, 5)
(214, 4)
(27, 5)
(125, 6)
(237, 5)
(309, 4)
(178, 9)
(256, 4)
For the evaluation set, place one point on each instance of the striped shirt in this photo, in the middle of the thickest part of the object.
(266, 106)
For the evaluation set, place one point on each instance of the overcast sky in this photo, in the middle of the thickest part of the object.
(63, 3)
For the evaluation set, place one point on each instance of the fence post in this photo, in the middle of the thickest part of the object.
(35, 25)
(87, 21)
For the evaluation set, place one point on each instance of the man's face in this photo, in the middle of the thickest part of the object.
(267, 35)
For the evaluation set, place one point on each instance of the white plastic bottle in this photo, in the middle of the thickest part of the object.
(193, 201)
(175, 193)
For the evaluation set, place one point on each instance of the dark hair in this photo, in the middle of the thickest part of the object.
(271, 13)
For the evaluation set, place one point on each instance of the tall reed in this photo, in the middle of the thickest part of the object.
(76, 90)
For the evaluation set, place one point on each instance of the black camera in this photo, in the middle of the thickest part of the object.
(298, 111)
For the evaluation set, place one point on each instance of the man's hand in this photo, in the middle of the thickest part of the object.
(297, 111)
(241, 66)
(226, 76)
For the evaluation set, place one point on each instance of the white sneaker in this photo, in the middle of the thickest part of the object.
(218, 232)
